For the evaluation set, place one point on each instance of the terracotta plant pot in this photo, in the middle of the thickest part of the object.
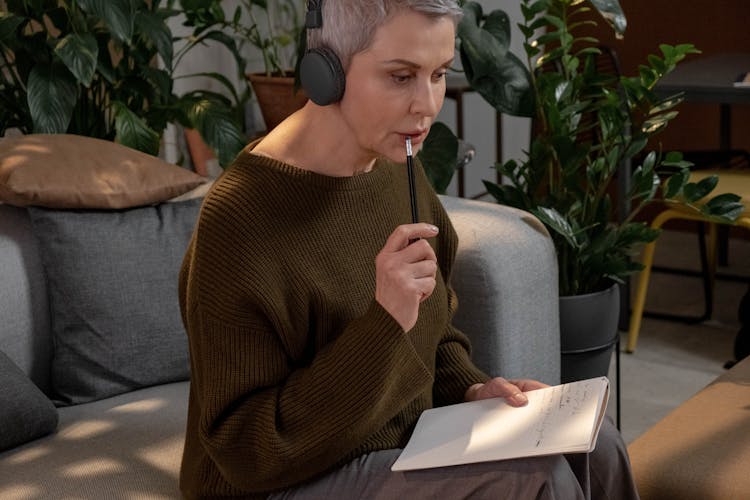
(276, 97)
(200, 152)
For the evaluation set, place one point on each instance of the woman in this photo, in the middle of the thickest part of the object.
(319, 318)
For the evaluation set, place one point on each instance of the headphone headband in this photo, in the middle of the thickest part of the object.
(314, 16)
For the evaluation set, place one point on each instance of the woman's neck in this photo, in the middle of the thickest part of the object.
(315, 138)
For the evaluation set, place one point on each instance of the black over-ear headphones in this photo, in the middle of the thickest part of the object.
(321, 72)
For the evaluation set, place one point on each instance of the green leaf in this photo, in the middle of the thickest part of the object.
(9, 23)
(506, 194)
(218, 128)
(498, 25)
(725, 207)
(133, 131)
(635, 147)
(665, 104)
(554, 21)
(676, 183)
(634, 233)
(558, 224)
(161, 82)
(650, 161)
(221, 79)
(500, 77)
(79, 53)
(644, 183)
(657, 123)
(530, 11)
(694, 191)
(118, 15)
(611, 11)
(657, 64)
(155, 29)
(52, 94)
(439, 156)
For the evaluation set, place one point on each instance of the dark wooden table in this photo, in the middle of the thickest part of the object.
(711, 79)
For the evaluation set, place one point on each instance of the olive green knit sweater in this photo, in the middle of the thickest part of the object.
(295, 368)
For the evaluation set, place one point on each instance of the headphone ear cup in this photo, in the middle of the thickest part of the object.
(322, 76)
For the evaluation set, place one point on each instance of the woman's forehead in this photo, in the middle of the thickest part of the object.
(409, 31)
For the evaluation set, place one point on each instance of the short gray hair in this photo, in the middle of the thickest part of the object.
(349, 25)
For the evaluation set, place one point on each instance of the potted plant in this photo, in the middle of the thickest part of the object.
(587, 123)
(275, 29)
(90, 68)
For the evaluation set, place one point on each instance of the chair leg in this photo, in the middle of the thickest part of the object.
(640, 296)
(708, 252)
(708, 257)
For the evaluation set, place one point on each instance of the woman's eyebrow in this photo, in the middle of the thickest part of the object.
(412, 64)
(403, 62)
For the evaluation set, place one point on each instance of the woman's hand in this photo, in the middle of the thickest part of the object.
(511, 390)
(405, 272)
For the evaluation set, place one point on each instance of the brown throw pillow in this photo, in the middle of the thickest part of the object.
(73, 171)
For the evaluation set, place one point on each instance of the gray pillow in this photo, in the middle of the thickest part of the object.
(112, 278)
(25, 412)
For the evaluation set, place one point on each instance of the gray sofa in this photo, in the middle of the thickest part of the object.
(89, 320)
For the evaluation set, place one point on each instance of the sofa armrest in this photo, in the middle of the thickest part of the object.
(505, 276)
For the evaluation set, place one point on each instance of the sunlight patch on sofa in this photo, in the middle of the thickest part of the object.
(93, 467)
(21, 492)
(164, 455)
(143, 406)
(87, 429)
(25, 456)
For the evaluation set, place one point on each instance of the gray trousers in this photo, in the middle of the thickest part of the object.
(603, 474)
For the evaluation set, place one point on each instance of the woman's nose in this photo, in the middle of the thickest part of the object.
(428, 98)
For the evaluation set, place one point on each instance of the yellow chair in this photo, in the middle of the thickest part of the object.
(734, 181)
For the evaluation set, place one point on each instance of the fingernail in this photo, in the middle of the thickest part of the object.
(434, 229)
(520, 398)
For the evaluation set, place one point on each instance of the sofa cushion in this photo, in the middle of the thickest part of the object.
(72, 171)
(25, 333)
(25, 412)
(112, 278)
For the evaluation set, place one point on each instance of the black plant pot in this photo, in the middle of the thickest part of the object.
(588, 333)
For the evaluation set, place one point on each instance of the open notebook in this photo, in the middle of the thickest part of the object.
(561, 419)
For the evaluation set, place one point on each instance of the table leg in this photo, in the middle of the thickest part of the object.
(725, 127)
(725, 144)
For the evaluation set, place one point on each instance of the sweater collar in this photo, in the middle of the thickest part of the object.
(378, 177)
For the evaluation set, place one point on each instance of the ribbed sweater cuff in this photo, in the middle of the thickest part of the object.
(457, 376)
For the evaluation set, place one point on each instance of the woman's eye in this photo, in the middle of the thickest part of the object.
(400, 78)
(439, 75)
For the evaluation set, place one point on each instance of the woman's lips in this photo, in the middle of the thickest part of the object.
(416, 137)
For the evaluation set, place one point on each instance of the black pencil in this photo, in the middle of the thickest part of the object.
(412, 186)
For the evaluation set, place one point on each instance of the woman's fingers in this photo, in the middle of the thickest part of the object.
(406, 233)
(405, 271)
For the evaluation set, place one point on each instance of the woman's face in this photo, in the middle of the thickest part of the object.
(396, 87)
